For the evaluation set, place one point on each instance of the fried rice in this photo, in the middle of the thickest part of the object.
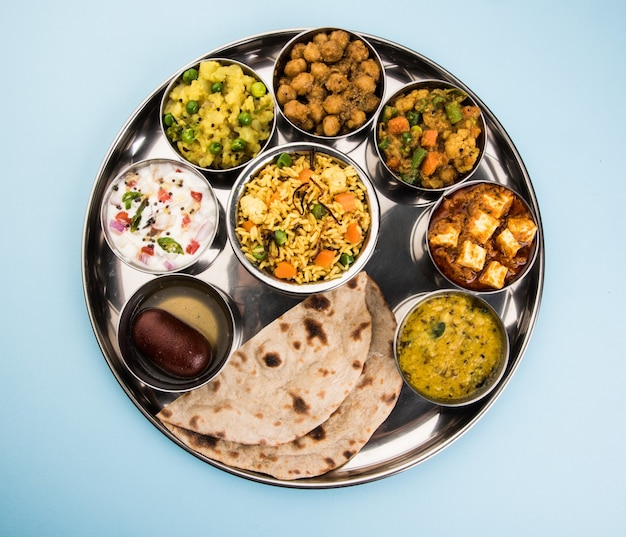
(282, 220)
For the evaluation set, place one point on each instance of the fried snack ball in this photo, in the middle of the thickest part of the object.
(329, 84)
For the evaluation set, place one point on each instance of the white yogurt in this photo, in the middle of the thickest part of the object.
(160, 215)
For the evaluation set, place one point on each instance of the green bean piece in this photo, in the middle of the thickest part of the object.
(418, 157)
(454, 113)
(280, 237)
(413, 117)
(190, 75)
(384, 144)
(192, 107)
(258, 89)
(406, 138)
(258, 252)
(244, 119)
(216, 87)
(238, 144)
(215, 148)
(283, 160)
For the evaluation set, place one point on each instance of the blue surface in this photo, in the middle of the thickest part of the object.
(77, 458)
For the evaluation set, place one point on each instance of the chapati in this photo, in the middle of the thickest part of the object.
(287, 379)
(347, 430)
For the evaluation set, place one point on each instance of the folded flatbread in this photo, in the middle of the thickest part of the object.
(287, 379)
(343, 435)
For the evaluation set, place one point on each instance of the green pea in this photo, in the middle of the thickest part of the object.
(238, 144)
(192, 107)
(188, 136)
(216, 87)
(283, 160)
(280, 237)
(190, 75)
(346, 259)
(215, 148)
(168, 120)
(244, 118)
(318, 211)
(258, 89)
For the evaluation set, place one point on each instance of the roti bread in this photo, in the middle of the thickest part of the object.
(347, 430)
(287, 379)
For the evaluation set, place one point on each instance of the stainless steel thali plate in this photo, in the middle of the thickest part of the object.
(415, 430)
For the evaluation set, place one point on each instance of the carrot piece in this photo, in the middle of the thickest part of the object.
(274, 197)
(429, 138)
(398, 125)
(353, 233)
(325, 258)
(347, 201)
(248, 225)
(305, 175)
(285, 270)
(431, 161)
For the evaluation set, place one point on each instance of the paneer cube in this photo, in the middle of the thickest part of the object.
(472, 256)
(444, 234)
(494, 275)
(507, 243)
(481, 226)
(523, 229)
(497, 202)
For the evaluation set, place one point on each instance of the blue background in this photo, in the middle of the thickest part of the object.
(77, 458)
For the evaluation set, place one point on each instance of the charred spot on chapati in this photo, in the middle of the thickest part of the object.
(349, 454)
(317, 302)
(297, 345)
(357, 364)
(284, 327)
(314, 329)
(299, 405)
(318, 434)
(272, 359)
(356, 335)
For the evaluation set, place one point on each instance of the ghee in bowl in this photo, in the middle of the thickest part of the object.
(451, 348)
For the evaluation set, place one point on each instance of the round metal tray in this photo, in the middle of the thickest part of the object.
(415, 430)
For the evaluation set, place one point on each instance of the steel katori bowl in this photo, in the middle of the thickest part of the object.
(430, 135)
(203, 308)
(217, 114)
(159, 215)
(329, 85)
(451, 347)
(275, 215)
(482, 236)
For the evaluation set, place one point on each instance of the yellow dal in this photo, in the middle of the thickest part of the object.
(449, 346)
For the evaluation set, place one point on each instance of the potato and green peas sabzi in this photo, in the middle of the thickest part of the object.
(428, 137)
